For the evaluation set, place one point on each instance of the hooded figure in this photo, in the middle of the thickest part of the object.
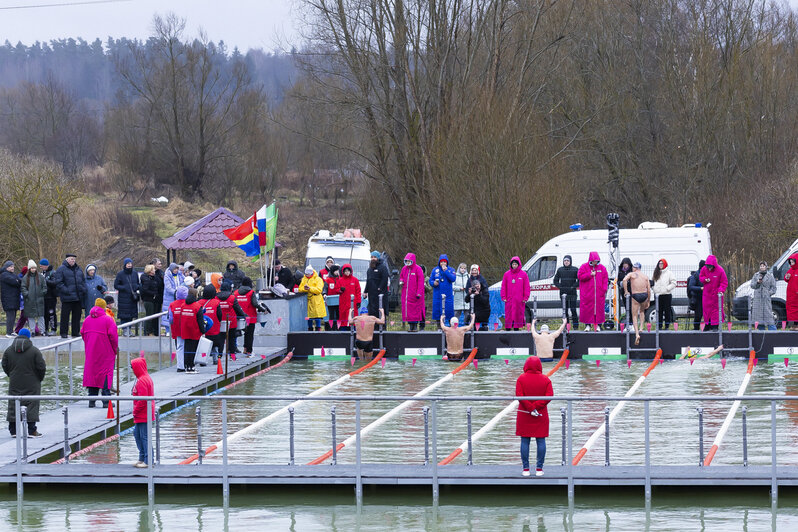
(478, 287)
(565, 279)
(515, 293)
(34, 288)
(101, 339)
(233, 274)
(763, 285)
(441, 280)
(127, 284)
(593, 283)
(95, 287)
(713, 277)
(347, 286)
(25, 367)
(664, 285)
(532, 418)
(694, 292)
(792, 290)
(312, 285)
(172, 280)
(143, 387)
(623, 270)
(377, 278)
(9, 288)
(411, 280)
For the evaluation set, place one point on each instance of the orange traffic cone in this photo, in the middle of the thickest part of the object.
(219, 368)
(110, 414)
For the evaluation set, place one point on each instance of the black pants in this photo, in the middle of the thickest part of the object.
(94, 391)
(189, 350)
(50, 317)
(150, 326)
(699, 313)
(249, 335)
(70, 314)
(665, 314)
(12, 427)
(570, 308)
(11, 320)
(374, 306)
(332, 318)
(218, 344)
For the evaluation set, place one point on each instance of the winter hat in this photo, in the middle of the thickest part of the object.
(226, 285)
(100, 302)
(8, 264)
(91, 267)
(544, 328)
(328, 259)
(24, 332)
(209, 292)
(31, 264)
(188, 281)
(126, 260)
(375, 254)
(71, 255)
(24, 270)
(309, 270)
(246, 281)
(44, 262)
(181, 292)
(474, 266)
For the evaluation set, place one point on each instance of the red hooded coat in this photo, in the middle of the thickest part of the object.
(792, 290)
(715, 282)
(347, 287)
(515, 293)
(592, 291)
(412, 279)
(532, 382)
(143, 387)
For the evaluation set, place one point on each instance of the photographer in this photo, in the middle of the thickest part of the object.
(763, 285)
(477, 286)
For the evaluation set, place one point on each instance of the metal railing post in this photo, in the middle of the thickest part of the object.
(67, 449)
(334, 443)
(745, 436)
(358, 456)
(774, 486)
(24, 433)
(291, 435)
(470, 447)
(18, 423)
(628, 318)
(426, 435)
(749, 301)
(646, 421)
(607, 436)
(570, 452)
(158, 435)
(200, 450)
(656, 320)
(564, 310)
(71, 377)
(720, 319)
(700, 436)
(435, 487)
(57, 379)
(562, 416)
(160, 348)
(225, 475)
(149, 410)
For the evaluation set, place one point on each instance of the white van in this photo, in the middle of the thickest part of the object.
(346, 248)
(683, 247)
(779, 300)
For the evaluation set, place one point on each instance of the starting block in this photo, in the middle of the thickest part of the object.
(420, 353)
(511, 353)
(331, 354)
(604, 353)
(780, 353)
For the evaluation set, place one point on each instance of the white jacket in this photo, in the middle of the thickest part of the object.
(666, 282)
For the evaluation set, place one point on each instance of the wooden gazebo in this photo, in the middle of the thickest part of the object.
(205, 233)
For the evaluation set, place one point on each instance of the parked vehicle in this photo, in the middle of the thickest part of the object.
(779, 301)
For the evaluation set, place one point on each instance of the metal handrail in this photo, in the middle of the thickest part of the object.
(119, 326)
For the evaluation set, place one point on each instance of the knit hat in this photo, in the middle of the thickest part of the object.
(100, 302)
(209, 292)
(474, 266)
(226, 285)
(188, 281)
(7, 264)
(246, 281)
(375, 254)
(44, 262)
(24, 332)
(181, 292)
(31, 264)
(126, 260)
(309, 270)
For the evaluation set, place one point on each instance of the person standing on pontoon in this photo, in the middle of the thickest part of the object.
(532, 418)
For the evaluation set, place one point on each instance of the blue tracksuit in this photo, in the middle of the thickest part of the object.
(446, 278)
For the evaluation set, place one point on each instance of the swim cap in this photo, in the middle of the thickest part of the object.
(544, 328)
(364, 310)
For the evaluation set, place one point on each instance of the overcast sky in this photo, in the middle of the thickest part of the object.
(267, 24)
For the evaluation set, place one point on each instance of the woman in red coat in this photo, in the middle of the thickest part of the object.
(792, 291)
(532, 419)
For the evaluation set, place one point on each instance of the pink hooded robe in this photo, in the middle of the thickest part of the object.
(715, 282)
(592, 291)
(792, 290)
(515, 293)
(412, 279)
(102, 343)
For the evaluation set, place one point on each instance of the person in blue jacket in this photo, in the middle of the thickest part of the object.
(441, 279)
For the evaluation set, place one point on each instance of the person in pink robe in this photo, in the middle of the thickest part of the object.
(593, 283)
(101, 340)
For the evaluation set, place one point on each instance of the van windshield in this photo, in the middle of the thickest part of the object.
(543, 268)
(781, 265)
(360, 266)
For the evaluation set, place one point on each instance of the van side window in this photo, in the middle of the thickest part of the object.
(543, 268)
(778, 273)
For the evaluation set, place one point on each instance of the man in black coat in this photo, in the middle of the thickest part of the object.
(284, 275)
(565, 279)
(377, 278)
(159, 279)
(233, 274)
(50, 298)
(127, 284)
(10, 287)
(25, 367)
(71, 287)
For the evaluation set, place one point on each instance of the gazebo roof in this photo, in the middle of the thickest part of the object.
(205, 233)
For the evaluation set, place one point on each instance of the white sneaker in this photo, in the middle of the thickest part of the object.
(525, 473)
(539, 473)
(631, 329)
(140, 465)
(587, 329)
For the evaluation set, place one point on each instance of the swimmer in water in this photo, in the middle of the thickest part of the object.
(690, 355)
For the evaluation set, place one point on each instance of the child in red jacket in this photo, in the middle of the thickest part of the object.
(142, 387)
(532, 419)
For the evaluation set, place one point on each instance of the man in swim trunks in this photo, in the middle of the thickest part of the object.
(544, 341)
(454, 338)
(688, 354)
(638, 285)
(364, 332)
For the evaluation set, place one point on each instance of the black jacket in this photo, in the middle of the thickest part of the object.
(70, 283)
(235, 275)
(694, 287)
(377, 281)
(285, 278)
(127, 283)
(565, 278)
(52, 288)
(149, 288)
(621, 276)
(10, 287)
(25, 367)
(481, 300)
(159, 290)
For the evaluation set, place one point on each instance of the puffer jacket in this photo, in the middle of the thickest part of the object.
(666, 283)
(95, 287)
(33, 289)
(10, 285)
(70, 283)
(235, 275)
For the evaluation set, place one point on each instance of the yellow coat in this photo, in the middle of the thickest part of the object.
(316, 306)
